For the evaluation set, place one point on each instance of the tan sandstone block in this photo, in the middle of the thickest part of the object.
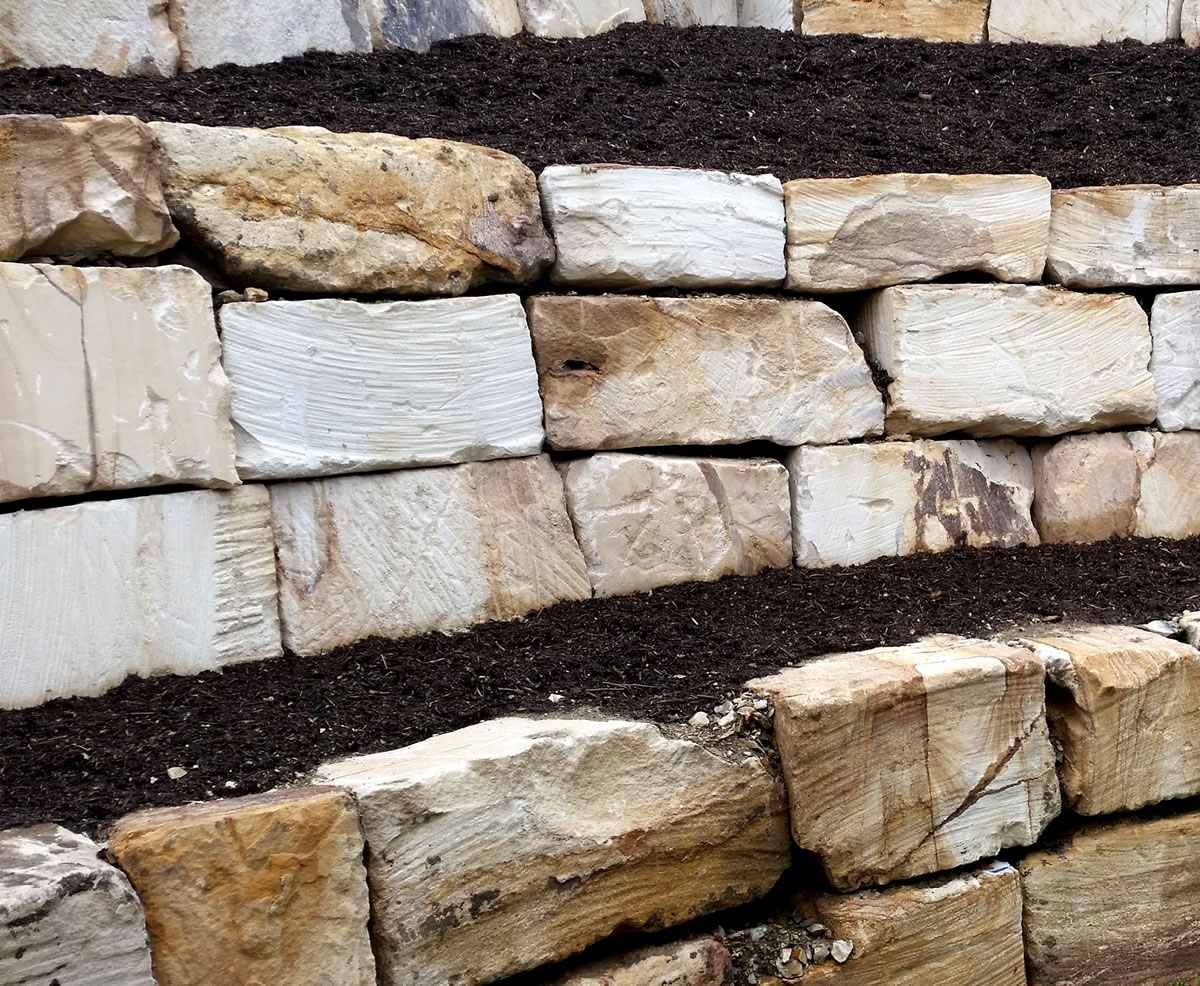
(702, 962)
(304, 209)
(902, 761)
(1125, 715)
(1175, 361)
(265, 889)
(933, 20)
(1190, 22)
(1087, 893)
(851, 234)
(628, 372)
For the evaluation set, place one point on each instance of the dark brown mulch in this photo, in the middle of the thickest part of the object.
(736, 99)
(661, 656)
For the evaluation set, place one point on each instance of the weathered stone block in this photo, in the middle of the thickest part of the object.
(517, 842)
(304, 209)
(852, 503)
(1000, 359)
(692, 13)
(1190, 22)
(1189, 622)
(701, 962)
(933, 20)
(326, 387)
(175, 583)
(1124, 484)
(650, 520)
(416, 24)
(139, 397)
(1175, 360)
(66, 917)
(265, 889)
(483, 541)
(902, 761)
(963, 930)
(850, 234)
(779, 15)
(578, 18)
(622, 227)
(628, 372)
(1085, 893)
(1089, 22)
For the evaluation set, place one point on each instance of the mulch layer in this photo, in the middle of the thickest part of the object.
(659, 656)
(730, 98)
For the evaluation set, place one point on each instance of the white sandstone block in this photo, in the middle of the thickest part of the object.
(326, 386)
(1175, 361)
(416, 24)
(1083, 22)
(623, 227)
(777, 14)
(578, 18)
(1190, 22)
(692, 13)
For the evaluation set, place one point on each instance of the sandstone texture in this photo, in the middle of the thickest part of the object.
(700, 962)
(1125, 716)
(398, 554)
(963, 930)
(66, 917)
(852, 503)
(174, 583)
(851, 234)
(518, 842)
(933, 20)
(902, 761)
(138, 394)
(627, 372)
(326, 386)
(416, 24)
(1175, 360)
(265, 889)
(1189, 622)
(692, 13)
(578, 18)
(304, 209)
(1124, 484)
(780, 15)
(999, 359)
(1190, 22)
(627, 228)
(117, 37)
(650, 520)
(1125, 236)
(1087, 892)
(80, 187)
(1073, 23)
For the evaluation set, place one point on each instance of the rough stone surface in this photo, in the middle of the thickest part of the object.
(780, 15)
(304, 209)
(326, 387)
(517, 842)
(628, 372)
(850, 234)
(1175, 360)
(1124, 484)
(623, 227)
(963, 930)
(650, 520)
(1189, 622)
(416, 24)
(1000, 359)
(692, 13)
(1190, 22)
(700, 962)
(265, 889)
(1125, 236)
(933, 20)
(852, 503)
(66, 917)
(175, 583)
(486, 540)
(138, 394)
(82, 186)
(578, 18)
(1074, 23)
(1125, 715)
(902, 761)
(1087, 893)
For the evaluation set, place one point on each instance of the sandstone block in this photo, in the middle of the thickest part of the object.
(692, 13)
(998, 359)
(902, 761)
(963, 930)
(650, 520)
(1125, 236)
(1073, 22)
(1126, 484)
(1190, 22)
(303, 209)
(482, 541)
(627, 372)
(777, 14)
(1125, 715)
(702, 962)
(852, 503)
(65, 916)
(265, 889)
(1085, 893)
(139, 397)
(1189, 622)
(326, 387)
(516, 842)
(175, 583)
(578, 18)
(933, 20)
(415, 24)
(1175, 360)
(850, 234)
(622, 227)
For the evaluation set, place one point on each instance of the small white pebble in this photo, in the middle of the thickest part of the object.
(153, 779)
(231, 784)
(175, 773)
(699, 719)
(555, 698)
(727, 720)
(840, 950)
